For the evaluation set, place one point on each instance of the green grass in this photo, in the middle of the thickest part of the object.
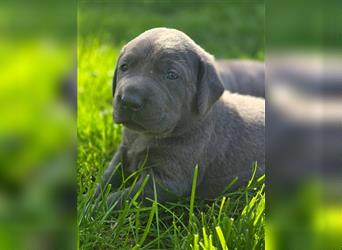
(233, 221)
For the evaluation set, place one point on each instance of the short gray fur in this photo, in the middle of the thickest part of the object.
(188, 121)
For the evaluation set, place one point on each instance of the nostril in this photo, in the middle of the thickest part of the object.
(131, 101)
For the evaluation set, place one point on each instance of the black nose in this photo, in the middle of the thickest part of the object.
(132, 101)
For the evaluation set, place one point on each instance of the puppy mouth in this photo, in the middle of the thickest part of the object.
(126, 121)
(137, 126)
(133, 125)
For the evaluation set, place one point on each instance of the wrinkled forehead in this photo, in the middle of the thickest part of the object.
(160, 48)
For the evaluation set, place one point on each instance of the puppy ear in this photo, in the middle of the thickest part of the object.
(114, 80)
(209, 88)
(116, 71)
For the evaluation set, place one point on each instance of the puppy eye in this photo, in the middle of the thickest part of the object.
(171, 75)
(124, 67)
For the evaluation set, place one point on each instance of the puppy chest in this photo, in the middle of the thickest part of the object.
(148, 157)
(135, 158)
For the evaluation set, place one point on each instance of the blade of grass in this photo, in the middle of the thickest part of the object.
(135, 197)
(255, 166)
(157, 215)
(147, 228)
(221, 208)
(196, 246)
(230, 185)
(205, 237)
(221, 238)
(192, 197)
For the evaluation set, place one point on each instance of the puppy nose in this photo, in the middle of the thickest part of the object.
(132, 101)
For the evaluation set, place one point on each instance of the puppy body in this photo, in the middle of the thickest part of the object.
(224, 145)
(175, 121)
(246, 77)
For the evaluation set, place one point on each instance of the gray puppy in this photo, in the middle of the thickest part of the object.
(168, 94)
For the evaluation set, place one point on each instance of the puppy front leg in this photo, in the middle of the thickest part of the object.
(109, 176)
(147, 188)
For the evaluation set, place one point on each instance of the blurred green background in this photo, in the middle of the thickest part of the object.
(223, 28)
(37, 125)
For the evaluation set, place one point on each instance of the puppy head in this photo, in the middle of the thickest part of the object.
(163, 82)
